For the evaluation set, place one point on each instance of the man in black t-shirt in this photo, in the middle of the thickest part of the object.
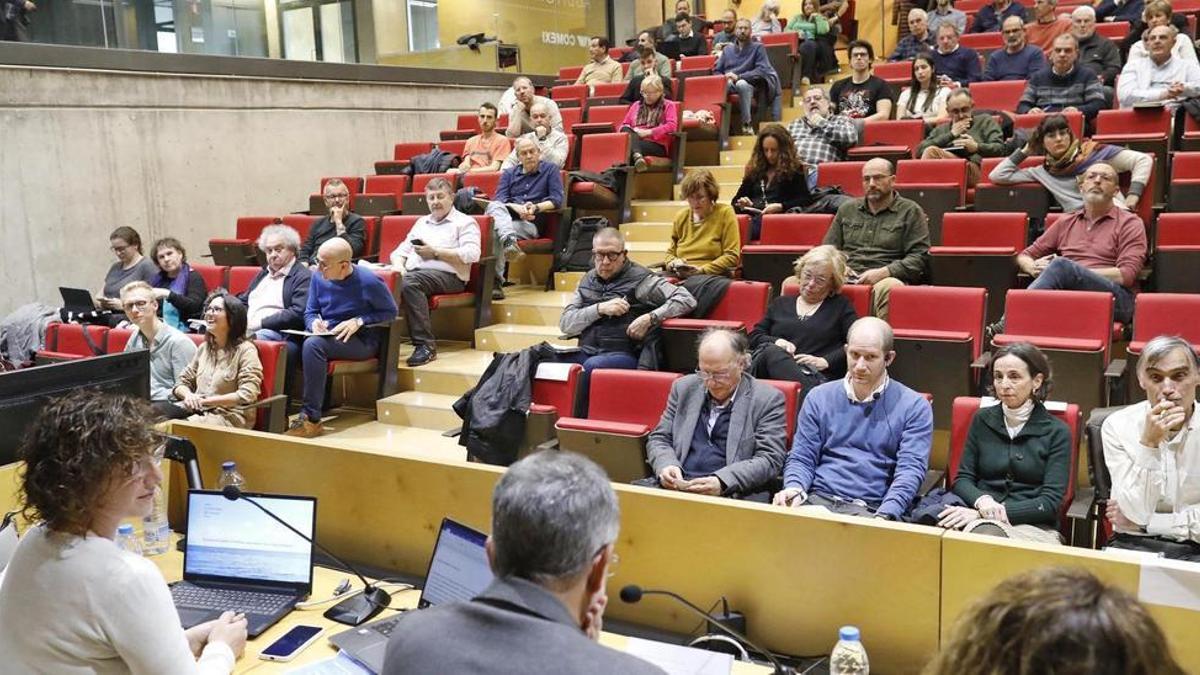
(862, 95)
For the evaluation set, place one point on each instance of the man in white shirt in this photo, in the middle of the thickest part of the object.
(1152, 450)
(277, 296)
(1163, 77)
(435, 258)
(550, 141)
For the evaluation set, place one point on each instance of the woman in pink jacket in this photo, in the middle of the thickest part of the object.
(654, 119)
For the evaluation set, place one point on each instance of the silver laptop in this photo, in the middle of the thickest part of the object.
(458, 571)
(237, 558)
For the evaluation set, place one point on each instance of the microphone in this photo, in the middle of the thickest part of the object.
(351, 611)
(633, 593)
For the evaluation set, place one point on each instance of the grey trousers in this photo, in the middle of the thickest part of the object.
(415, 289)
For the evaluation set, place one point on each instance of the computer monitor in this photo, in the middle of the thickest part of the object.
(23, 392)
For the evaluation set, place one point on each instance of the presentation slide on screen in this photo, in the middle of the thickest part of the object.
(459, 570)
(234, 539)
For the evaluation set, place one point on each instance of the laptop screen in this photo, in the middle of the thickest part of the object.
(236, 541)
(459, 568)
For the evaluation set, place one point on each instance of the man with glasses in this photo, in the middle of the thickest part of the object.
(1163, 78)
(819, 135)
(170, 350)
(723, 432)
(342, 298)
(1095, 51)
(862, 443)
(613, 309)
(965, 135)
(339, 222)
(1018, 60)
(862, 95)
(885, 237)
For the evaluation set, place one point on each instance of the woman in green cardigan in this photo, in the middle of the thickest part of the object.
(1016, 460)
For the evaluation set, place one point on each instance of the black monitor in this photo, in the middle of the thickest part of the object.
(24, 392)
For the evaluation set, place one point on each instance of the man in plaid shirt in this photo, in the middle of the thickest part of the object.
(918, 40)
(819, 136)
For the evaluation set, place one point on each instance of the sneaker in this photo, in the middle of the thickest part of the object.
(497, 291)
(302, 427)
(513, 252)
(748, 130)
(992, 330)
(422, 355)
(639, 163)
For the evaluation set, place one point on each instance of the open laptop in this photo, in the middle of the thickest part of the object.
(237, 558)
(77, 300)
(458, 570)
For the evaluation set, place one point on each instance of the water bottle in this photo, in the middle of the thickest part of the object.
(230, 476)
(127, 539)
(848, 656)
(156, 532)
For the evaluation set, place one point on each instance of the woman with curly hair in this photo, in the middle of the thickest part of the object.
(72, 600)
(775, 180)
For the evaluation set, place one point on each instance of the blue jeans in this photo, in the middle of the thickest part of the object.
(745, 92)
(318, 350)
(615, 360)
(1064, 274)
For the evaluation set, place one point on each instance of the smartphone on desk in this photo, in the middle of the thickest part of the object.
(291, 643)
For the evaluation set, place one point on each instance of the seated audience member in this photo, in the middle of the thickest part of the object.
(72, 599)
(552, 143)
(1047, 25)
(670, 28)
(1152, 450)
(486, 150)
(1065, 86)
(662, 65)
(1163, 77)
(1016, 461)
(776, 180)
(278, 294)
(691, 43)
(723, 433)
(815, 57)
(170, 350)
(1018, 60)
(704, 236)
(802, 339)
(965, 134)
(555, 520)
(942, 12)
(862, 95)
(820, 135)
(767, 21)
(653, 120)
(991, 16)
(615, 305)
(925, 96)
(957, 66)
(131, 265)
(1120, 10)
(724, 37)
(1158, 13)
(520, 119)
(633, 90)
(435, 258)
(179, 290)
(919, 39)
(1055, 620)
(862, 443)
(1095, 51)
(1067, 159)
(339, 223)
(885, 237)
(528, 190)
(225, 374)
(601, 68)
(747, 70)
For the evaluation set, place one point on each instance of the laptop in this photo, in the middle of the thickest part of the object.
(77, 300)
(458, 571)
(237, 558)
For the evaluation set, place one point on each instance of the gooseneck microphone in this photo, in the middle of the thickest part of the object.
(633, 593)
(353, 610)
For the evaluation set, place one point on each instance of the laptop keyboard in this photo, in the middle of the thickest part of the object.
(191, 596)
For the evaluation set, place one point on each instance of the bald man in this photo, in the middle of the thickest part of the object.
(862, 443)
(342, 298)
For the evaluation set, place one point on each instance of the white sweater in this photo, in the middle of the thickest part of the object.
(72, 604)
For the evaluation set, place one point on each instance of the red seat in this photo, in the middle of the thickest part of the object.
(467, 126)
(571, 117)
(894, 72)
(1029, 121)
(250, 227)
(890, 139)
(240, 278)
(455, 147)
(1177, 253)
(393, 230)
(487, 182)
(402, 153)
(1160, 314)
(1029, 198)
(612, 114)
(569, 73)
(697, 65)
(300, 223)
(788, 38)
(569, 95)
(1004, 95)
(243, 247)
(846, 175)
(606, 91)
(1146, 130)
(272, 394)
(784, 237)
(380, 186)
(66, 341)
(706, 93)
(859, 296)
(938, 185)
(1184, 192)
(599, 152)
(742, 306)
(980, 249)
(791, 397)
(116, 340)
(1115, 30)
(982, 42)
(1191, 134)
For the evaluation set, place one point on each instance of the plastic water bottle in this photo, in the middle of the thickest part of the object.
(156, 532)
(127, 539)
(848, 656)
(230, 476)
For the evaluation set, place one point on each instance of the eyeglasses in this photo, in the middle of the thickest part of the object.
(1157, 38)
(213, 309)
(608, 256)
(139, 305)
(337, 197)
(719, 376)
(807, 277)
(151, 461)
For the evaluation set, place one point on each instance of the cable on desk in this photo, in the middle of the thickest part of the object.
(399, 586)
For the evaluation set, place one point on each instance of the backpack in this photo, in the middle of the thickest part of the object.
(573, 253)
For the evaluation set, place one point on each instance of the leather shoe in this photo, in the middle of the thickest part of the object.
(302, 427)
(498, 292)
(421, 355)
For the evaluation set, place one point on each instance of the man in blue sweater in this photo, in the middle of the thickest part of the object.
(342, 298)
(862, 443)
(1019, 60)
(956, 66)
(1065, 86)
(746, 68)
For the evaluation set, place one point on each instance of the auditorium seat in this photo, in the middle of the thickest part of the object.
(1177, 253)
(241, 277)
(1190, 140)
(598, 153)
(892, 140)
(938, 341)
(791, 404)
(569, 96)
(1003, 95)
(894, 72)
(555, 388)
(454, 147)
(215, 276)
(1029, 121)
(1029, 198)
(386, 361)
(272, 395)
(783, 51)
(1160, 314)
(984, 43)
(607, 93)
(242, 248)
(1141, 129)
(742, 306)
(980, 249)
(784, 238)
(705, 141)
(694, 66)
(1113, 30)
(487, 182)
(938, 185)
(846, 175)
(116, 340)
(468, 126)
(381, 195)
(571, 117)
(601, 119)
(568, 75)
(1184, 192)
(69, 341)
(301, 223)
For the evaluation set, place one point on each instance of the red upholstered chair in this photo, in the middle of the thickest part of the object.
(890, 139)
(784, 237)
(1115, 30)
(606, 93)
(385, 363)
(980, 249)
(938, 341)
(791, 398)
(1144, 130)
(569, 95)
(467, 126)
(1003, 95)
(783, 51)
(1185, 182)
(984, 43)
(116, 340)
(693, 66)
(599, 152)
(272, 396)
(705, 141)
(68, 341)
(938, 185)
(1075, 330)
(412, 203)
(624, 406)
(571, 117)
(555, 388)
(1160, 314)
(300, 223)
(381, 195)
(610, 115)
(894, 72)
(1029, 198)
(1177, 253)
(240, 278)
(846, 175)
(742, 306)
(486, 182)
(569, 74)
(215, 276)
(455, 147)
(1190, 140)
(242, 248)
(393, 230)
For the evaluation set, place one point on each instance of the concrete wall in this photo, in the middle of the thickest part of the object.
(184, 155)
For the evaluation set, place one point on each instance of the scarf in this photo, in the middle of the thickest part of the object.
(1078, 157)
(649, 116)
(177, 285)
(1015, 419)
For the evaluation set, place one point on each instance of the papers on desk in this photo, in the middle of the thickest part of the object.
(334, 665)
(678, 660)
(304, 333)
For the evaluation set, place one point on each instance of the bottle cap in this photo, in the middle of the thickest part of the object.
(848, 633)
(229, 466)
(125, 528)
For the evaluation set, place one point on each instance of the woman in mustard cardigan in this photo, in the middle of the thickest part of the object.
(704, 236)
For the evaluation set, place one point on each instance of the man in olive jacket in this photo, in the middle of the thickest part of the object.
(966, 135)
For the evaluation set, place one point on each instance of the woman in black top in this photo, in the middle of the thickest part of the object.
(180, 290)
(802, 338)
(775, 178)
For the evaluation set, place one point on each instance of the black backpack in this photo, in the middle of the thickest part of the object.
(573, 253)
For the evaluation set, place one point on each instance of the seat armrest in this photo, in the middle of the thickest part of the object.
(982, 361)
(1081, 507)
(551, 444)
(1115, 369)
(932, 478)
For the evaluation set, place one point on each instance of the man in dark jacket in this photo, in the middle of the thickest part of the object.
(965, 135)
(1095, 51)
(340, 222)
(276, 298)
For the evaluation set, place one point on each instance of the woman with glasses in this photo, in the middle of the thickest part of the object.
(126, 244)
(704, 236)
(802, 337)
(178, 288)
(225, 374)
(72, 600)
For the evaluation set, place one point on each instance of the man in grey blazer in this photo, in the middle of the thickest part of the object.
(723, 432)
(554, 522)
